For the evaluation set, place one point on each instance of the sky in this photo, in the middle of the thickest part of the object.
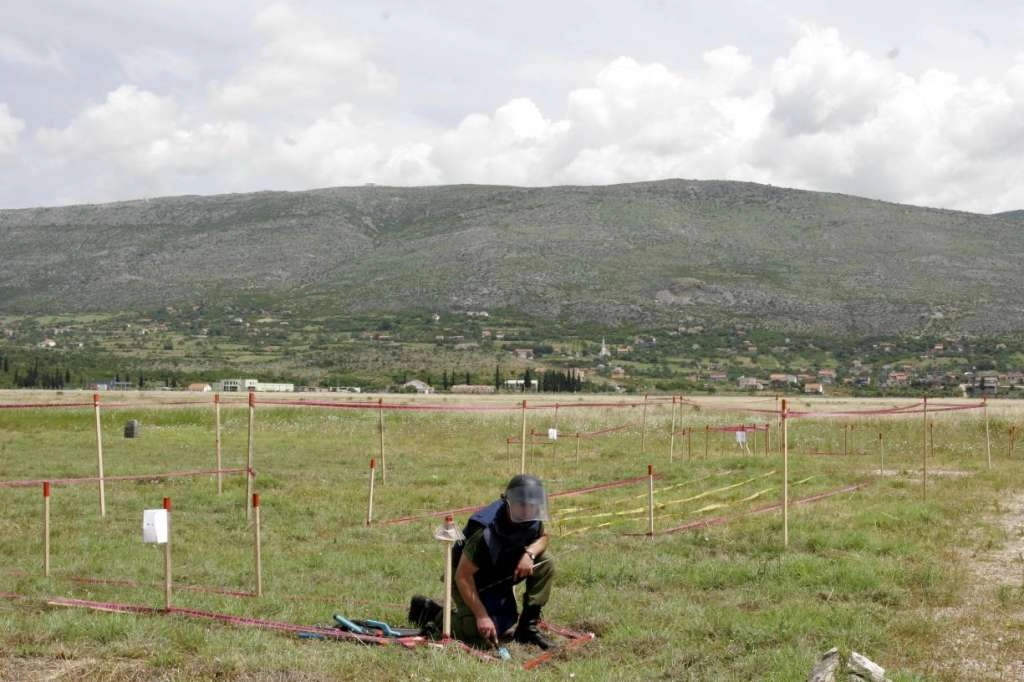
(912, 102)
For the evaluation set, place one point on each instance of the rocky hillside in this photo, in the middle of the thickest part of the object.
(669, 252)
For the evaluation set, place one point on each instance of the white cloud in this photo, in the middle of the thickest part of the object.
(727, 65)
(301, 64)
(516, 145)
(143, 132)
(644, 121)
(844, 121)
(336, 150)
(307, 111)
(10, 130)
(823, 84)
(129, 117)
(824, 117)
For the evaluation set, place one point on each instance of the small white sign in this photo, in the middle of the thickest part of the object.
(154, 526)
(741, 437)
(552, 434)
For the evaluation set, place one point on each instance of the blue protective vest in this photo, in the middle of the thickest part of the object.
(505, 542)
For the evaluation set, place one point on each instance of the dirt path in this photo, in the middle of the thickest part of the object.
(983, 636)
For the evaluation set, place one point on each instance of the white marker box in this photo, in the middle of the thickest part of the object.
(552, 434)
(154, 526)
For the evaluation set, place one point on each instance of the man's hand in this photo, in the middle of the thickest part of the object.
(489, 633)
(524, 568)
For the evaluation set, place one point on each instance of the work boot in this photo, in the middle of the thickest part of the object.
(424, 612)
(528, 629)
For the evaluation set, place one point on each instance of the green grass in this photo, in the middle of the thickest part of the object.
(862, 571)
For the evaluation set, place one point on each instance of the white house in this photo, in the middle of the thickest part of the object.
(420, 386)
(246, 385)
(235, 385)
(517, 384)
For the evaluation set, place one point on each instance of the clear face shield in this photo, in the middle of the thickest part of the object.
(526, 504)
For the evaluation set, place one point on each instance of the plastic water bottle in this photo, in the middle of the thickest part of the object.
(503, 654)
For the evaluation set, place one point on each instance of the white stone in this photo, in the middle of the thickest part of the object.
(825, 669)
(865, 669)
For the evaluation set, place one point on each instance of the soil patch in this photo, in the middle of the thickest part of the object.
(982, 637)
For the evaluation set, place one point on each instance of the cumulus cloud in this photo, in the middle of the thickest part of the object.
(301, 64)
(10, 130)
(844, 121)
(824, 116)
(337, 150)
(513, 146)
(127, 118)
(144, 132)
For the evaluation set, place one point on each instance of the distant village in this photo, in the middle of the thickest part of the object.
(728, 362)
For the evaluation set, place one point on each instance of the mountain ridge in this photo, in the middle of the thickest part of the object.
(670, 252)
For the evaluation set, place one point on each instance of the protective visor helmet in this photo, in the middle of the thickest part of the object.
(526, 500)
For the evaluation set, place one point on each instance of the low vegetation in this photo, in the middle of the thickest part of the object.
(864, 571)
(653, 254)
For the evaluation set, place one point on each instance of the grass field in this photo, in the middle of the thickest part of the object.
(869, 571)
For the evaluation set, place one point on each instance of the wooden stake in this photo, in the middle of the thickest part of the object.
(1009, 442)
(508, 452)
(446, 622)
(249, 457)
(380, 428)
(881, 455)
(707, 435)
(846, 440)
(577, 448)
(522, 458)
(167, 557)
(988, 435)
(258, 545)
(99, 453)
(672, 433)
(779, 412)
(785, 473)
(216, 421)
(767, 438)
(369, 505)
(689, 442)
(650, 500)
(46, 529)
(643, 429)
(924, 451)
(554, 445)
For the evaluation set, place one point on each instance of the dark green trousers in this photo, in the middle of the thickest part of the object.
(536, 593)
